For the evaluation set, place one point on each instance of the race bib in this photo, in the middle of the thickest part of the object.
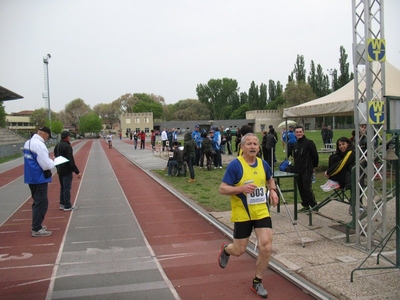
(257, 197)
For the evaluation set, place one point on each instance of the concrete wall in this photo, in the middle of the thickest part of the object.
(11, 149)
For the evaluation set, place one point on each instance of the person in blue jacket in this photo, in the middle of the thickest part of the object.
(290, 140)
(37, 174)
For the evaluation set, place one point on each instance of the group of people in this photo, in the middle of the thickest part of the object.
(37, 174)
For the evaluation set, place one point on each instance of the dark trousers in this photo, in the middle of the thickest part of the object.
(217, 159)
(229, 147)
(197, 156)
(40, 204)
(190, 163)
(65, 189)
(142, 143)
(304, 184)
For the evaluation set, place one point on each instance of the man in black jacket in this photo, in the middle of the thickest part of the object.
(305, 161)
(64, 171)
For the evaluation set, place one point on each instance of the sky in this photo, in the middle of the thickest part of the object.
(101, 50)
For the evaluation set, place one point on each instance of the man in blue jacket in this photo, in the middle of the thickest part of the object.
(290, 140)
(37, 174)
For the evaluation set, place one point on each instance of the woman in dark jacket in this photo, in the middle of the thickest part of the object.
(340, 163)
(188, 153)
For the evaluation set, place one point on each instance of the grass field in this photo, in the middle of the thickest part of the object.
(205, 190)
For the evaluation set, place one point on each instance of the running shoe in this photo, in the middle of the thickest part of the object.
(41, 232)
(71, 208)
(61, 206)
(333, 185)
(259, 289)
(223, 257)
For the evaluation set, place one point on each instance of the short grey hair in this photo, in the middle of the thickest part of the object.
(244, 138)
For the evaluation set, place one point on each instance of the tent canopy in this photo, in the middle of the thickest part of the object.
(341, 102)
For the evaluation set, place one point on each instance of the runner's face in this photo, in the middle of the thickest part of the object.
(299, 133)
(343, 146)
(251, 146)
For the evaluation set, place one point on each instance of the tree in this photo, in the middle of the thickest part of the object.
(279, 89)
(190, 109)
(75, 110)
(240, 113)
(2, 115)
(272, 91)
(154, 107)
(253, 96)
(299, 70)
(90, 123)
(40, 116)
(297, 93)
(108, 112)
(216, 94)
(262, 99)
(56, 126)
(345, 76)
(318, 81)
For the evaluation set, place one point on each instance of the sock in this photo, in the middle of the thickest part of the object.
(225, 251)
(257, 280)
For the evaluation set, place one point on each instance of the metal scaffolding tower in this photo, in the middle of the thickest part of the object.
(369, 90)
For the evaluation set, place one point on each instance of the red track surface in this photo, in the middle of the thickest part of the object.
(186, 245)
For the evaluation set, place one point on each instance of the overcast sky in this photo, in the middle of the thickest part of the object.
(101, 50)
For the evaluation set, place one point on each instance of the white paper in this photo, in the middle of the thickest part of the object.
(60, 160)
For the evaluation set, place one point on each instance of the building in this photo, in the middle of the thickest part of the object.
(136, 122)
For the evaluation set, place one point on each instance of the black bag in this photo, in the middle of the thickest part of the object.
(47, 174)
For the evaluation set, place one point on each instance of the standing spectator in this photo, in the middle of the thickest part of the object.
(37, 174)
(207, 150)
(272, 130)
(217, 148)
(291, 140)
(169, 133)
(153, 140)
(329, 136)
(174, 135)
(283, 133)
(223, 139)
(142, 140)
(120, 135)
(353, 136)
(126, 133)
(189, 153)
(135, 139)
(109, 140)
(228, 137)
(130, 135)
(196, 136)
(237, 140)
(64, 171)
(305, 162)
(164, 138)
(245, 181)
(268, 145)
(323, 134)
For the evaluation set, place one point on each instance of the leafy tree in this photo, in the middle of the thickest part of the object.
(124, 104)
(244, 98)
(2, 115)
(263, 96)
(253, 96)
(240, 113)
(56, 126)
(235, 101)
(345, 75)
(216, 94)
(108, 112)
(154, 107)
(190, 109)
(40, 116)
(299, 70)
(279, 89)
(272, 91)
(90, 123)
(297, 93)
(277, 103)
(75, 110)
(318, 81)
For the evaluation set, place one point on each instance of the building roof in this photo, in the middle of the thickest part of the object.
(6, 95)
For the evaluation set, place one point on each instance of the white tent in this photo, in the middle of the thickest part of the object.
(341, 102)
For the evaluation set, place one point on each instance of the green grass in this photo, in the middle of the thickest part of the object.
(205, 190)
(9, 158)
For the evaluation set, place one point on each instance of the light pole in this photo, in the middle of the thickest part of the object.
(46, 95)
(331, 73)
